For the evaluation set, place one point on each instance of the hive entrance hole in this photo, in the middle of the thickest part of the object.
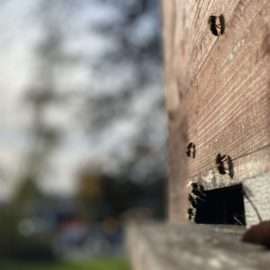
(222, 206)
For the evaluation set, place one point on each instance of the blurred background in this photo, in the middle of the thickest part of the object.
(82, 130)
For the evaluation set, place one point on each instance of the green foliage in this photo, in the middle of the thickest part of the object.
(27, 193)
(99, 264)
(102, 196)
(15, 245)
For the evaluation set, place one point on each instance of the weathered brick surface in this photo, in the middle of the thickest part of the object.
(193, 247)
(257, 201)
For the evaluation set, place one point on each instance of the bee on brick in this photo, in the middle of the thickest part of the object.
(191, 150)
(217, 25)
(225, 165)
(196, 198)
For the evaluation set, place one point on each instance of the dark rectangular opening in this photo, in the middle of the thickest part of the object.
(222, 206)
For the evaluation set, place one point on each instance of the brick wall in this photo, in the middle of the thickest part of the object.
(217, 65)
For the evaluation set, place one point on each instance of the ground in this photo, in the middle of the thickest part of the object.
(102, 264)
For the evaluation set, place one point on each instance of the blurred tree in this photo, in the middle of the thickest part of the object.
(26, 196)
(103, 197)
(125, 109)
(91, 188)
(98, 65)
(91, 194)
(40, 95)
(15, 245)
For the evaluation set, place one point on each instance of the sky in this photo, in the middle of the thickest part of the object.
(113, 119)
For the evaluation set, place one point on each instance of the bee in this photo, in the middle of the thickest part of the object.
(217, 25)
(191, 150)
(225, 165)
(191, 214)
(196, 197)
